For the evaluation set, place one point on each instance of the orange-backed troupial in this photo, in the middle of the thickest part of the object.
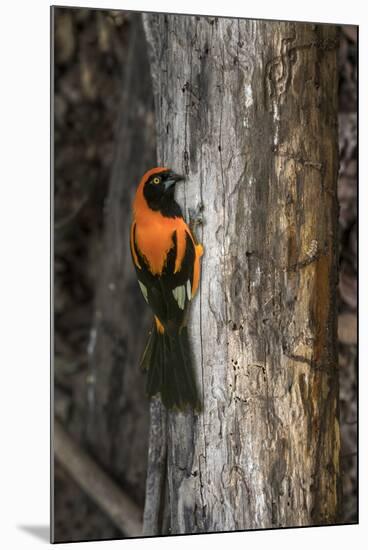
(167, 262)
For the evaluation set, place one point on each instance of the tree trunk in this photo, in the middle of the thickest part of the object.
(118, 422)
(248, 111)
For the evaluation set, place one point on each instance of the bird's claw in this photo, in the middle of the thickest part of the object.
(195, 219)
(195, 215)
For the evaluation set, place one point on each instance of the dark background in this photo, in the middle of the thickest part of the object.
(90, 57)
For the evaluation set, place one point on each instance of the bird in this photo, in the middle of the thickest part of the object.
(166, 257)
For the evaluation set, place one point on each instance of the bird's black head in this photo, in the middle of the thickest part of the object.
(159, 192)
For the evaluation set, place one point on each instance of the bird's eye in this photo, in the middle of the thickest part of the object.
(156, 180)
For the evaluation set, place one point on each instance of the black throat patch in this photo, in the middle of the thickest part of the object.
(163, 202)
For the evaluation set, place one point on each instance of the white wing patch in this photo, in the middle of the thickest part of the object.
(189, 289)
(179, 295)
(181, 292)
(144, 291)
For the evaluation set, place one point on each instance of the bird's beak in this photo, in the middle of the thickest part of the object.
(172, 179)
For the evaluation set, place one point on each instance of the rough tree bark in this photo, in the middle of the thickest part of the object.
(117, 430)
(248, 111)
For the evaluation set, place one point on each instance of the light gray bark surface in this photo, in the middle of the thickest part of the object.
(247, 110)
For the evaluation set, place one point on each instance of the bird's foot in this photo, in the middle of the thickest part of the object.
(196, 219)
(196, 215)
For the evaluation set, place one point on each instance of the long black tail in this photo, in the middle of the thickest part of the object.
(167, 359)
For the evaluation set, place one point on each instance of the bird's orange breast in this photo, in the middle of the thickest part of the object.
(154, 239)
